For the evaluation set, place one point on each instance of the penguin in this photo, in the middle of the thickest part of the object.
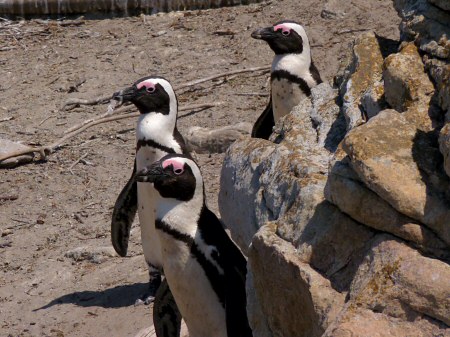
(204, 269)
(292, 76)
(156, 136)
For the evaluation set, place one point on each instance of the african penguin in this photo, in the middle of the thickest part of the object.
(205, 270)
(156, 136)
(293, 72)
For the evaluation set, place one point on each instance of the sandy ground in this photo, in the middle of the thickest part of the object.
(46, 289)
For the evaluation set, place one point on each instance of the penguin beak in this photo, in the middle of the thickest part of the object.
(150, 174)
(125, 95)
(264, 34)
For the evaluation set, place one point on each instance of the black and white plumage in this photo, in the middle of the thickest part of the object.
(156, 136)
(293, 72)
(205, 270)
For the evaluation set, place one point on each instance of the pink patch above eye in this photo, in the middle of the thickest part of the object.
(284, 29)
(147, 84)
(178, 167)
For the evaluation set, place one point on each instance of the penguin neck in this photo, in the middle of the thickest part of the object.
(156, 126)
(296, 64)
(181, 216)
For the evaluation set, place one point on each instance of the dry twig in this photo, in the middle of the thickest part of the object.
(72, 102)
(47, 149)
(9, 197)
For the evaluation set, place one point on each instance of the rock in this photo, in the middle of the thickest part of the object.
(330, 241)
(257, 319)
(7, 147)
(312, 302)
(363, 74)
(260, 181)
(439, 71)
(333, 9)
(443, 4)
(373, 100)
(363, 322)
(387, 282)
(345, 190)
(91, 254)
(402, 165)
(407, 86)
(203, 140)
(444, 146)
(426, 25)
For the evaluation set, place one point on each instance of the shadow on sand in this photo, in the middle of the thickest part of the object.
(117, 297)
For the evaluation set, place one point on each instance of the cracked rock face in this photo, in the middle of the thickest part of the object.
(444, 146)
(364, 75)
(345, 213)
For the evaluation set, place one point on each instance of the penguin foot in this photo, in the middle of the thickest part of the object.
(145, 300)
(153, 285)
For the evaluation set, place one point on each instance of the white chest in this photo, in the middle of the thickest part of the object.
(285, 96)
(196, 299)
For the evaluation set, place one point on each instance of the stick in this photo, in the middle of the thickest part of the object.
(47, 149)
(6, 119)
(94, 101)
(77, 161)
(9, 197)
(213, 77)
(262, 94)
(106, 99)
(107, 116)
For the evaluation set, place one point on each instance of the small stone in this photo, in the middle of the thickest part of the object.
(6, 232)
(7, 147)
(91, 254)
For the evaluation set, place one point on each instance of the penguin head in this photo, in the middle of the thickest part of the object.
(150, 94)
(284, 37)
(174, 176)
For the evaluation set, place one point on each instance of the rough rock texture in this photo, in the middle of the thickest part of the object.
(203, 140)
(363, 76)
(254, 185)
(400, 164)
(350, 194)
(353, 234)
(365, 322)
(427, 24)
(444, 146)
(443, 4)
(387, 282)
(312, 303)
(407, 85)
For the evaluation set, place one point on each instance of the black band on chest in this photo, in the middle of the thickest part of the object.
(215, 278)
(279, 74)
(152, 143)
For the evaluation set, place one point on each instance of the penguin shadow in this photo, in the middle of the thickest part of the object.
(117, 297)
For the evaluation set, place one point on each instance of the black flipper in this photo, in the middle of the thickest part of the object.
(264, 124)
(315, 73)
(123, 215)
(166, 316)
(235, 296)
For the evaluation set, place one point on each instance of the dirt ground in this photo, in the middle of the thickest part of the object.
(48, 286)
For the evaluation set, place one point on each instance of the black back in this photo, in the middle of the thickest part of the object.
(265, 123)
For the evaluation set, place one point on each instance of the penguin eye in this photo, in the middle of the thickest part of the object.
(150, 90)
(178, 171)
(286, 32)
